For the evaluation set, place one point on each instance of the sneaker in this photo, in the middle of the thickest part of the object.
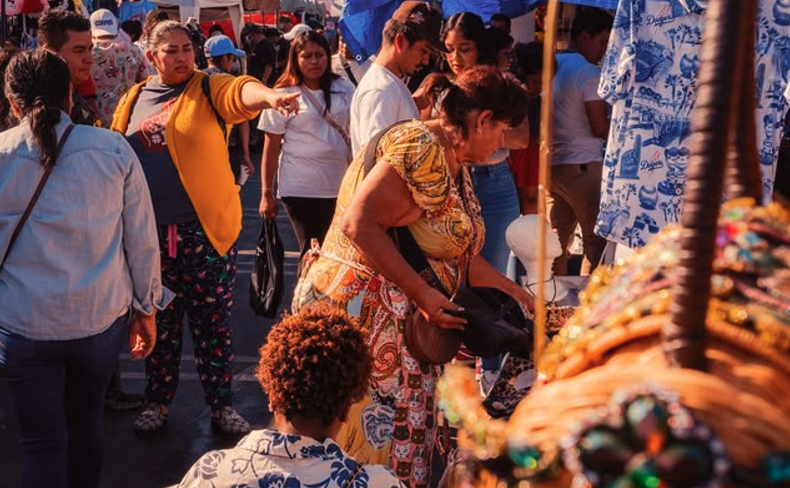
(487, 380)
(227, 422)
(120, 401)
(151, 420)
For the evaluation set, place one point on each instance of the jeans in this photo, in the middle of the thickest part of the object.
(58, 390)
(496, 190)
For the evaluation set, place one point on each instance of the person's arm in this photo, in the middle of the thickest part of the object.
(423, 97)
(257, 96)
(527, 199)
(244, 140)
(267, 72)
(271, 157)
(141, 250)
(383, 201)
(597, 114)
(483, 274)
(597, 109)
(237, 99)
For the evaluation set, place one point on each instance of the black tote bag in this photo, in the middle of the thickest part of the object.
(267, 282)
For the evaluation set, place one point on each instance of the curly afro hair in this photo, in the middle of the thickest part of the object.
(315, 364)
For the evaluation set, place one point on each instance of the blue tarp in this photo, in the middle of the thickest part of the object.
(363, 20)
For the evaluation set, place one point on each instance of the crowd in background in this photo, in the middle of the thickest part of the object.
(182, 113)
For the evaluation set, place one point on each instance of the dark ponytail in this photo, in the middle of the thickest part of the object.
(38, 83)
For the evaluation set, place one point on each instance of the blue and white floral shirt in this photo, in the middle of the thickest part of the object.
(649, 76)
(268, 459)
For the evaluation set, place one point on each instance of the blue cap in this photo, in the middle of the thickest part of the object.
(219, 46)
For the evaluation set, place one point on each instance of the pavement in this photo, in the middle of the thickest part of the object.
(163, 460)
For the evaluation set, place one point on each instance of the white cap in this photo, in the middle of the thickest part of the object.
(296, 30)
(104, 23)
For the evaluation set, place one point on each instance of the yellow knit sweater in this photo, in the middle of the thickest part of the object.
(199, 151)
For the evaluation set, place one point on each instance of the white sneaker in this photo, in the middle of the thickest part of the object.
(487, 380)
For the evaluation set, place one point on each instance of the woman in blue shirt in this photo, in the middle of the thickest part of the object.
(81, 279)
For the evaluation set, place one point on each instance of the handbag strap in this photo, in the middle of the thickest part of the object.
(349, 72)
(327, 116)
(36, 194)
(402, 236)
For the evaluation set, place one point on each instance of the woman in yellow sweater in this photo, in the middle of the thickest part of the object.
(176, 131)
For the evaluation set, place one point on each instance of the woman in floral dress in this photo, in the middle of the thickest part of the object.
(421, 182)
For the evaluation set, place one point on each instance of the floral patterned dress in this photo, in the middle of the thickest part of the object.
(269, 459)
(396, 423)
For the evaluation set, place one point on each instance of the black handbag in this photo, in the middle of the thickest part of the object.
(495, 322)
(267, 282)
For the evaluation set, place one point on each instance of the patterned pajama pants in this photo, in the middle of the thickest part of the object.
(203, 283)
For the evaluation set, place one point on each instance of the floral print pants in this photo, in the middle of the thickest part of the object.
(203, 283)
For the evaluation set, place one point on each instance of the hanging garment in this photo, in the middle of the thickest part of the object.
(135, 10)
(649, 76)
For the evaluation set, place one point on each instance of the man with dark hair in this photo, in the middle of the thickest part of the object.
(382, 98)
(68, 34)
(281, 48)
(285, 23)
(581, 125)
(262, 54)
(501, 22)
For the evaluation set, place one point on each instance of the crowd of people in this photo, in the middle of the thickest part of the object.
(158, 124)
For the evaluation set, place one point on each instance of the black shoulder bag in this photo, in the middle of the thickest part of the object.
(36, 194)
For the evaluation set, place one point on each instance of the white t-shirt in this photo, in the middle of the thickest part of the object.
(357, 69)
(575, 83)
(381, 99)
(314, 156)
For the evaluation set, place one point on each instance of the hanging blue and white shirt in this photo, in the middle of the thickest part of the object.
(269, 459)
(649, 76)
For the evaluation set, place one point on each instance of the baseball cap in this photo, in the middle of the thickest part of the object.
(219, 46)
(296, 30)
(423, 19)
(104, 23)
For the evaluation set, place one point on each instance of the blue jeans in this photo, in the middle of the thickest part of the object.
(496, 190)
(58, 390)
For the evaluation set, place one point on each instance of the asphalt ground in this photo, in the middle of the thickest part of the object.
(162, 461)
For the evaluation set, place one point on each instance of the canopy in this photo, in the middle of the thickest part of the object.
(312, 7)
(208, 10)
(363, 20)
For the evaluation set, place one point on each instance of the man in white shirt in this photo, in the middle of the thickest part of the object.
(381, 99)
(580, 126)
(345, 65)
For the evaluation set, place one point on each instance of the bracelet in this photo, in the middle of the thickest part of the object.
(267, 190)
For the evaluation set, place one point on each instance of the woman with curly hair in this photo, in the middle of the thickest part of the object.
(310, 401)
